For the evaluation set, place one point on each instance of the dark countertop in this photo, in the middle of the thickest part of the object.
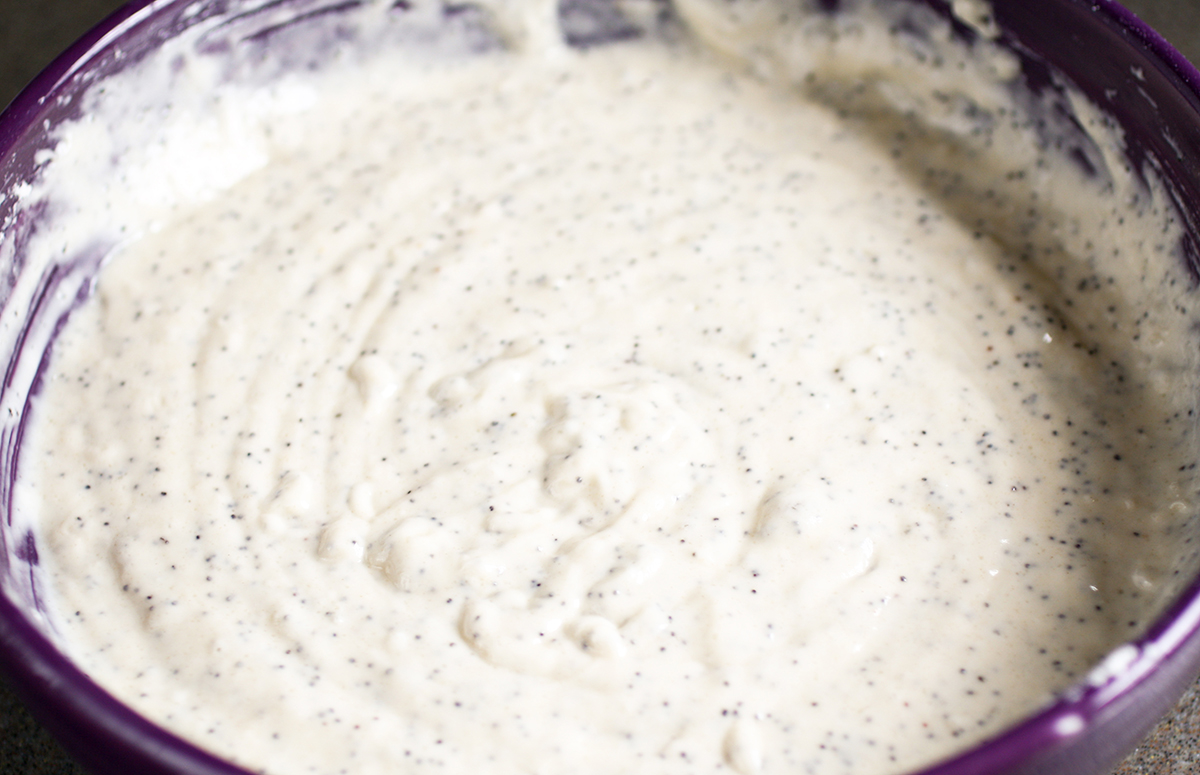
(33, 32)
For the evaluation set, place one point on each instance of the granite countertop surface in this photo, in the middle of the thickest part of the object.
(33, 32)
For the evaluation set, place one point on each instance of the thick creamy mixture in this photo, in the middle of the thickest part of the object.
(613, 410)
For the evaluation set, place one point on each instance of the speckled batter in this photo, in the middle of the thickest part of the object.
(612, 411)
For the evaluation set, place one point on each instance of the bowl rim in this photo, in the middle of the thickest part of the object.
(20, 112)
(81, 714)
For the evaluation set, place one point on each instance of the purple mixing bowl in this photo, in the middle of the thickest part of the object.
(1122, 65)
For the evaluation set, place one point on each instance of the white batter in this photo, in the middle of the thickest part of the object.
(612, 411)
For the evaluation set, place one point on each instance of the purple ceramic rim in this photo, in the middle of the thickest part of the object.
(106, 736)
(103, 734)
(1152, 42)
(22, 110)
